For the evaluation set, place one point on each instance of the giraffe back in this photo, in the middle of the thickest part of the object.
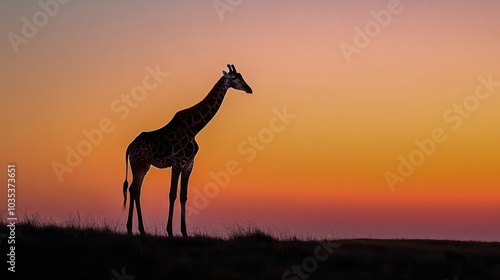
(162, 148)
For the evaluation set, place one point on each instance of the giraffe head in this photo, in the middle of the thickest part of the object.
(235, 80)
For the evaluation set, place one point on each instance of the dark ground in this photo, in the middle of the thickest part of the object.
(90, 253)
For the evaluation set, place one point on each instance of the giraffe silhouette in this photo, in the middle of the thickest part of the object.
(174, 146)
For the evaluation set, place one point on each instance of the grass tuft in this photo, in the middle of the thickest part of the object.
(250, 233)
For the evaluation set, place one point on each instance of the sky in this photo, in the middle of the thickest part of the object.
(368, 118)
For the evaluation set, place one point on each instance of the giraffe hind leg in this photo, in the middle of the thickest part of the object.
(130, 211)
(172, 196)
(135, 194)
(139, 214)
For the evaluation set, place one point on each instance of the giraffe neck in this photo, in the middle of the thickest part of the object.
(203, 112)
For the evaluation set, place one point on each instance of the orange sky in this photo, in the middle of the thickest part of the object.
(324, 171)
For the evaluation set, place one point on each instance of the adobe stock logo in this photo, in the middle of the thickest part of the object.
(122, 107)
(249, 149)
(122, 275)
(455, 117)
(223, 6)
(39, 19)
(373, 28)
(311, 264)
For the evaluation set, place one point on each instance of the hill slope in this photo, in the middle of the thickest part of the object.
(76, 253)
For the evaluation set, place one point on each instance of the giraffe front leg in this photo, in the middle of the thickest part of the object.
(183, 195)
(172, 196)
(183, 219)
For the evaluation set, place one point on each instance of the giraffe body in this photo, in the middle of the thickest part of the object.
(174, 145)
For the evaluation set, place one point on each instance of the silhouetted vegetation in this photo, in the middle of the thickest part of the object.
(88, 251)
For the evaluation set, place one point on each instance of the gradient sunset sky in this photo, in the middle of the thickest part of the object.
(357, 116)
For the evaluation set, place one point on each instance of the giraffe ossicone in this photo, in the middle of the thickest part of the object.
(174, 146)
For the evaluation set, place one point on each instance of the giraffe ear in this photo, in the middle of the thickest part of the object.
(224, 73)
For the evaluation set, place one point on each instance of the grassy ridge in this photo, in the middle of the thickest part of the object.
(100, 253)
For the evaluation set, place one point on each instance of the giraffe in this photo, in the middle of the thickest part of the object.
(174, 146)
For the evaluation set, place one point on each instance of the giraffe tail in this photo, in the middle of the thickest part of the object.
(125, 184)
